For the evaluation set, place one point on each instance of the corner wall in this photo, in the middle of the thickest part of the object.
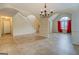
(2, 5)
(44, 27)
(75, 28)
(21, 26)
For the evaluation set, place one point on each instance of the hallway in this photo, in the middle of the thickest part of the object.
(55, 44)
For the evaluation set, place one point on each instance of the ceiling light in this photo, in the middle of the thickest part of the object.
(45, 12)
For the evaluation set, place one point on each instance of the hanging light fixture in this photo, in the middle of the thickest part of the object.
(45, 12)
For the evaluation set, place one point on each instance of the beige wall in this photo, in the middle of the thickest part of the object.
(44, 28)
(0, 27)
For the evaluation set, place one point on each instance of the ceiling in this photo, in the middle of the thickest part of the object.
(57, 7)
(35, 8)
(8, 11)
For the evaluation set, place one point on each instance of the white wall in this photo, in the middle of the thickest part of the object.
(75, 28)
(21, 25)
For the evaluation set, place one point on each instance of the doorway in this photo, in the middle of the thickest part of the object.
(6, 26)
(64, 24)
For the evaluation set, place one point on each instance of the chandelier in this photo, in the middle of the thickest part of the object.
(45, 12)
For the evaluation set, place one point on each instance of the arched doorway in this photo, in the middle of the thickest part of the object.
(64, 25)
(60, 23)
(6, 25)
(34, 22)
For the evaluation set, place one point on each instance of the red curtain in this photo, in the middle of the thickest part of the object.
(69, 26)
(59, 26)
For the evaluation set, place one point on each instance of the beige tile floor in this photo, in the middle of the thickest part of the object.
(53, 44)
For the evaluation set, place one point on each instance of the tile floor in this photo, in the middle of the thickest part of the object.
(53, 44)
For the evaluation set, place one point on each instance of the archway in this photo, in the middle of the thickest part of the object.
(5, 25)
(6, 21)
(60, 23)
(16, 29)
(35, 22)
(64, 25)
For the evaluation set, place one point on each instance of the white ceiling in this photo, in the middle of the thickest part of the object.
(36, 7)
(57, 7)
(8, 12)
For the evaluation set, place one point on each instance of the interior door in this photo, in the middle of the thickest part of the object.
(7, 27)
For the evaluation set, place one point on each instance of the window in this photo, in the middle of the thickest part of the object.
(64, 22)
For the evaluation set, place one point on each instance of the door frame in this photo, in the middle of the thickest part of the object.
(2, 26)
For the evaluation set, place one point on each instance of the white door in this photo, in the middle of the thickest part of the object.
(7, 28)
